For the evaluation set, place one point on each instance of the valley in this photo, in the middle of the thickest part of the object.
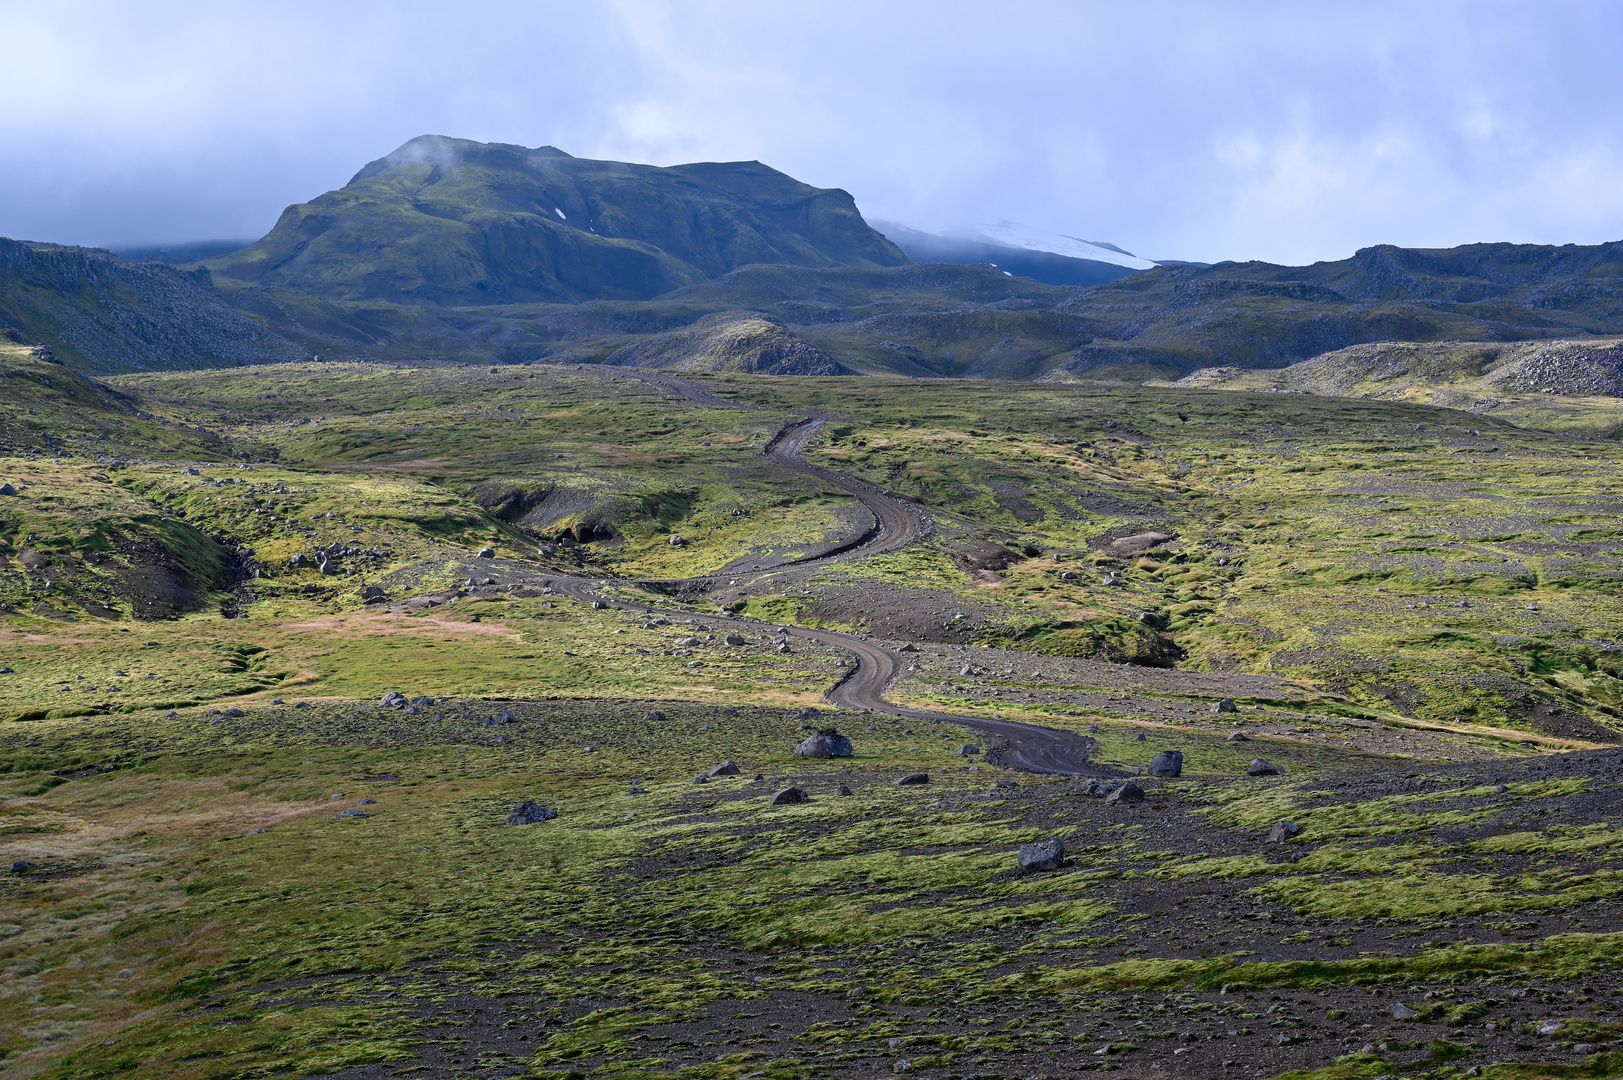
(242, 851)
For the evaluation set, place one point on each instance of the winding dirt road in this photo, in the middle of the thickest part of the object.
(896, 524)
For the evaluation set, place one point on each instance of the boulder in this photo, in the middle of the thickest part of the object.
(1259, 767)
(914, 778)
(789, 796)
(968, 750)
(394, 699)
(734, 639)
(1283, 831)
(676, 541)
(19, 866)
(324, 564)
(1226, 705)
(506, 716)
(825, 746)
(1239, 736)
(7, 489)
(1400, 1011)
(653, 717)
(529, 812)
(726, 768)
(373, 594)
(1127, 793)
(1043, 855)
(807, 713)
(1139, 736)
(486, 553)
(843, 789)
(1167, 763)
(701, 779)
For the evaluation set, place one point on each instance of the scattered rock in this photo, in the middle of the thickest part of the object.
(1549, 1027)
(1139, 736)
(1043, 855)
(350, 813)
(1226, 705)
(909, 647)
(368, 802)
(1167, 763)
(734, 639)
(702, 778)
(807, 713)
(1259, 767)
(676, 541)
(506, 716)
(653, 717)
(843, 789)
(969, 750)
(373, 594)
(1127, 793)
(529, 812)
(487, 553)
(1239, 736)
(1400, 1011)
(789, 796)
(726, 768)
(914, 778)
(394, 699)
(1283, 831)
(19, 866)
(7, 489)
(824, 745)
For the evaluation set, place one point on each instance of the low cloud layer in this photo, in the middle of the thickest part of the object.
(1287, 132)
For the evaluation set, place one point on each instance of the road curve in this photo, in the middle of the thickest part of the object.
(896, 524)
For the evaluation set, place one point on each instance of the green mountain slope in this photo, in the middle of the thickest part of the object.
(454, 222)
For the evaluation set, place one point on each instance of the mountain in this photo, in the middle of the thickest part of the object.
(1019, 252)
(452, 222)
(102, 314)
(1175, 319)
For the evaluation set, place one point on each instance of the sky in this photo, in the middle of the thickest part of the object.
(1289, 132)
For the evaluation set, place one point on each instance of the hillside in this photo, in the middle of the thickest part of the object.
(1560, 385)
(102, 314)
(453, 222)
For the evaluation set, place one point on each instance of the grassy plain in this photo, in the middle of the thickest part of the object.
(196, 907)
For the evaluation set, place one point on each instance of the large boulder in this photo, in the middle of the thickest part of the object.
(914, 778)
(1259, 767)
(789, 796)
(394, 699)
(529, 812)
(825, 745)
(1043, 855)
(1167, 763)
(1226, 705)
(726, 768)
(1127, 793)
(1283, 831)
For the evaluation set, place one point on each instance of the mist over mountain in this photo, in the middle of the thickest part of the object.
(450, 221)
(1056, 264)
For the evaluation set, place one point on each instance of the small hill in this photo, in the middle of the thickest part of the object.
(105, 315)
(453, 222)
(733, 341)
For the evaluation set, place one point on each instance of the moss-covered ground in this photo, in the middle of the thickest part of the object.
(1414, 609)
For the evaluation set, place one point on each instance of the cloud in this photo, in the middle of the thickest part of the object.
(1282, 131)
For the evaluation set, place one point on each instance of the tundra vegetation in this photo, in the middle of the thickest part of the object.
(231, 858)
